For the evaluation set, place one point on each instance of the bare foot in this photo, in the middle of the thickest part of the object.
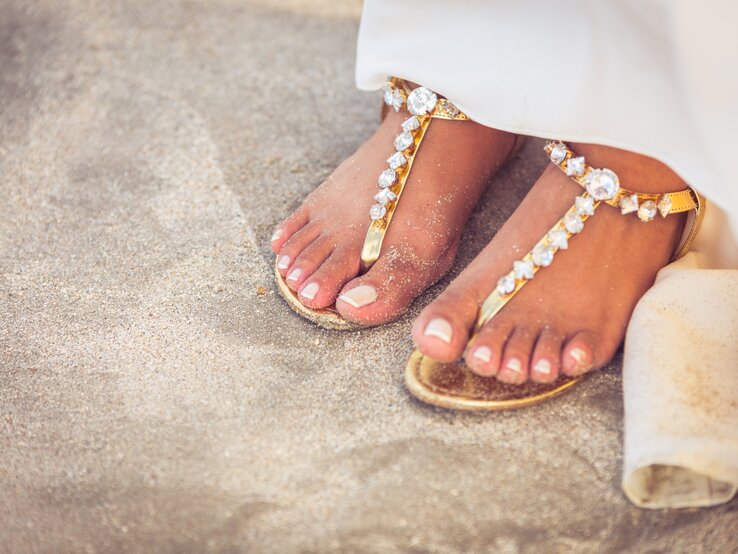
(572, 317)
(319, 246)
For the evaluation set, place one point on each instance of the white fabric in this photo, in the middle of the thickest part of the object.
(657, 77)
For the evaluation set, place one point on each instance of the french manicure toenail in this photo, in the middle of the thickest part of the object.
(542, 366)
(310, 290)
(513, 364)
(278, 233)
(294, 274)
(579, 355)
(483, 353)
(439, 328)
(360, 296)
(284, 262)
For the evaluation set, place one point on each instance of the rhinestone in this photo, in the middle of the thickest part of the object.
(377, 212)
(421, 101)
(602, 184)
(396, 160)
(558, 153)
(410, 124)
(403, 141)
(629, 204)
(450, 109)
(506, 285)
(647, 211)
(523, 269)
(385, 196)
(575, 166)
(388, 92)
(397, 100)
(664, 205)
(557, 239)
(585, 205)
(573, 223)
(387, 178)
(542, 255)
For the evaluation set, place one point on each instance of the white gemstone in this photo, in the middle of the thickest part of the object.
(387, 178)
(388, 92)
(396, 160)
(523, 269)
(602, 184)
(421, 101)
(403, 141)
(558, 153)
(664, 205)
(542, 255)
(647, 211)
(377, 212)
(557, 239)
(450, 109)
(629, 204)
(575, 166)
(506, 284)
(411, 123)
(397, 100)
(385, 196)
(573, 223)
(585, 205)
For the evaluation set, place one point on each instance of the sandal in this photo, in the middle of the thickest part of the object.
(424, 105)
(453, 385)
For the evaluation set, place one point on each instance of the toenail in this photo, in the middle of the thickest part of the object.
(542, 366)
(310, 290)
(439, 328)
(284, 262)
(294, 274)
(579, 355)
(483, 353)
(360, 296)
(278, 233)
(514, 364)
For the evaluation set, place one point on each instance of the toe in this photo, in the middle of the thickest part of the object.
(485, 351)
(578, 355)
(516, 357)
(308, 261)
(545, 363)
(287, 228)
(442, 329)
(294, 247)
(321, 288)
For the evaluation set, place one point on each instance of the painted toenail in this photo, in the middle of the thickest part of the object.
(360, 296)
(294, 274)
(514, 364)
(542, 366)
(483, 353)
(439, 328)
(310, 290)
(579, 355)
(278, 233)
(284, 262)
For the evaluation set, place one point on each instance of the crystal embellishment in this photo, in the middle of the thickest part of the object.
(557, 239)
(542, 255)
(388, 91)
(506, 284)
(450, 109)
(629, 204)
(585, 205)
(664, 205)
(558, 153)
(396, 160)
(403, 141)
(523, 269)
(421, 101)
(385, 196)
(410, 124)
(647, 211)
(387, 178)
(377, 212)
(573, 223)
(575, 166)
(602, 184)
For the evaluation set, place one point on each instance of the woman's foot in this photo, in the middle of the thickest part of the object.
(573, 315)
(319, 246)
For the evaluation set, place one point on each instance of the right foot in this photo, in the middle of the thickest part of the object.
(319, 246)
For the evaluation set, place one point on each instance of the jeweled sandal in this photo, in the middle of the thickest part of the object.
(424, 105)
(453, 385)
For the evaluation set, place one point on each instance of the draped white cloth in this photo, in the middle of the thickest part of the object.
(657, 77)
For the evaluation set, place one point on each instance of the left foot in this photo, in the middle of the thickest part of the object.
(572, 317)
